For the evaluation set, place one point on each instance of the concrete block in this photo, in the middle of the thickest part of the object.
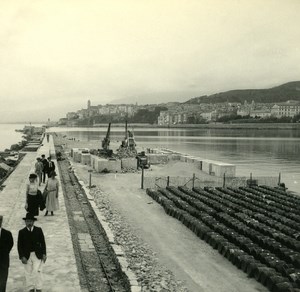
(123, 262)
(219, 169)
(77, 156)
(157, 158)
(129, 163)
(207, 166)
(175, 156)
(190, 159)
(183, 158)
(117, 250)
(86, 158)
(78, 150)
(102, 164)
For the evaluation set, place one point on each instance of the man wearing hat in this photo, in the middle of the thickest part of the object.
(6, 244)
(32, 253)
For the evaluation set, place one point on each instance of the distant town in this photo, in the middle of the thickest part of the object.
(175, 113)
(280, 104)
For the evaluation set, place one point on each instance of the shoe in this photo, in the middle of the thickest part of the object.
(38, 290)
(31, 290)
(46, 213)
(52, 213)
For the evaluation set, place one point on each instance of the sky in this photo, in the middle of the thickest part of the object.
(57, 54)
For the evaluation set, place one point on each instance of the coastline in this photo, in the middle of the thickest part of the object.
(256, 126)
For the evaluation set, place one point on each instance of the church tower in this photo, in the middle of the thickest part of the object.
(88, 104)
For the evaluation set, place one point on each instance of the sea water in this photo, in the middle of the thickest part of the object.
(260, 152)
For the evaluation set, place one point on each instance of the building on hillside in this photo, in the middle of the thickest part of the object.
(207, 116)
(243, 112)
(83, 113)
(164, 118)
(260, 113)
(72, 116)
(286, 109)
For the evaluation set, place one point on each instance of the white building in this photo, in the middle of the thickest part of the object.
(286, 109)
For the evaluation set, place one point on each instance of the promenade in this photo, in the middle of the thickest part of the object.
(60, 271)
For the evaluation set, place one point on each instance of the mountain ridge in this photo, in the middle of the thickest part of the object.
(281, 93)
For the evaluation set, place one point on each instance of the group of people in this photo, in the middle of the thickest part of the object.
(35, 200)
(31, 242)
(43, 168)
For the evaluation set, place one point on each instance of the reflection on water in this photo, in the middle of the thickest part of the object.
(261, 152)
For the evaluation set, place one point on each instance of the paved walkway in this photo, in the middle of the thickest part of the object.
(60, 271)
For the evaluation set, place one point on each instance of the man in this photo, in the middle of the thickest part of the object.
(32, 253)
(6, 244)
(39, 169)
(51, 166)
(45, 167)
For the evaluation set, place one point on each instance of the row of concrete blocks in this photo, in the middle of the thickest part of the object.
(120, 257)
(210, 167)
(101, 164)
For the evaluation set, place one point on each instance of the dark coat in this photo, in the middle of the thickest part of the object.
(6, 244)
(35, 238)
(45, 165)
(50, 167)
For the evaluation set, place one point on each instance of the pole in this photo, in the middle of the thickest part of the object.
(168, 181)
(142, 183)
(279, 178)
(90, 178)
(224, 180)
(193, 180)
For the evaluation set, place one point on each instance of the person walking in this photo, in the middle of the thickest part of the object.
(45, 167)
(6, 244)
(52, 188)
(51, 166)
(39, 169)
(32, 253)
(32, 199)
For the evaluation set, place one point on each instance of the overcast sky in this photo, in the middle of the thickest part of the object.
(55, 55)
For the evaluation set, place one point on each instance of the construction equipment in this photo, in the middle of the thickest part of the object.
(105, 143)
(142, 160)
(127, 148)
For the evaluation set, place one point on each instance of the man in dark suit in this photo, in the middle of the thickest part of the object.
(51, 166)
(45, 167)
(32, 253)
(6, 244)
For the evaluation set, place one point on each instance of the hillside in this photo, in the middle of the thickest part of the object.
(282, 93)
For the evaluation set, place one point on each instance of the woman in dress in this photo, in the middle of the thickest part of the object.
(52, 194)
(32, 200)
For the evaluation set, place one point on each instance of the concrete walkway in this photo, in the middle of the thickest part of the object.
(60, 271)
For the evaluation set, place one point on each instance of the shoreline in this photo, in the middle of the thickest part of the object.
(256, 126)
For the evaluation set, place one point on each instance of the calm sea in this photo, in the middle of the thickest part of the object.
(9, 136)
(260, 152)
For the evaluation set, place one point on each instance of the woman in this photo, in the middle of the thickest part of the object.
(32, 199)
(52, 194)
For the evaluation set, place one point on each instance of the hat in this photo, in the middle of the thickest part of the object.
(29, 216)
(32, 175)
